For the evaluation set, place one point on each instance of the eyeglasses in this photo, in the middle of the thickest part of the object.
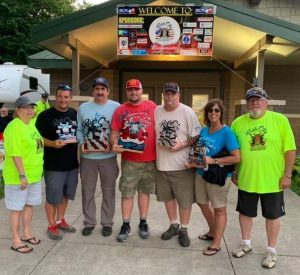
(216, 110)
(64, 87)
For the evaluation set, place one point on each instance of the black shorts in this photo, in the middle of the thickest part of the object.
(272, 204)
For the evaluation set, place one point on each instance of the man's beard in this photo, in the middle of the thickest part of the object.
(255, 113)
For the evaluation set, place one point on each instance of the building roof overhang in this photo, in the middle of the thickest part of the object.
(239, 33)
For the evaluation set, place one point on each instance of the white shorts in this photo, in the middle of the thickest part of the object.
(15, 198)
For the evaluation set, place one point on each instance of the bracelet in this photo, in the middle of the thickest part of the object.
(22, 177)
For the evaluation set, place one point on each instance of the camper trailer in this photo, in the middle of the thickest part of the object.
(15, 79)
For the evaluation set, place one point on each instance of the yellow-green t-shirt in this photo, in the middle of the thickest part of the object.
(22, 140)
(263, 142)
(41, 106)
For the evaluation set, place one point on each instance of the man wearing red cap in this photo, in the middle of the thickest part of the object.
(133, 136)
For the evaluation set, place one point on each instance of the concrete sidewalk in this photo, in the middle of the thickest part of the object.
(76, 254)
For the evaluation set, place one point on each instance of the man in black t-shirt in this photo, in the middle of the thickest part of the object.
(58, 127)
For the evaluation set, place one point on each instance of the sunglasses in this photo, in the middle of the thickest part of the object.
(216, 110)
(64, 87)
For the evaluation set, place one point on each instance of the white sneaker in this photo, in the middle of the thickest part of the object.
(269, 260)
(242, 250)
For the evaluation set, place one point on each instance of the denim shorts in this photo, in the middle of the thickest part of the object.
(60, 184)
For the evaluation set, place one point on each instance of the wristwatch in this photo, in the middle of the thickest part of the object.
(22, 177)
(216, 161)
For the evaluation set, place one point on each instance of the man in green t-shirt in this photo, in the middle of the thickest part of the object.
(42, 104)
(268, 154)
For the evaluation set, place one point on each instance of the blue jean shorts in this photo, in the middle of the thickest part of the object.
(60, 184)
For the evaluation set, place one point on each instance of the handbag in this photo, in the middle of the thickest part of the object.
(217, 174)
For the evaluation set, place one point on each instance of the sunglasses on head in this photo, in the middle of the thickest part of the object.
(64, 87)
(216, 110)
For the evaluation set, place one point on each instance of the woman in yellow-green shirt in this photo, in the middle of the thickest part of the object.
(22, 173)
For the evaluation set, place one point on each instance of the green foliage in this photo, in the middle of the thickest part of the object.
(16, 19)
(296, 177)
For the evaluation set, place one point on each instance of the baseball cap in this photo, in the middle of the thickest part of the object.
(171, 86)
(256, 92)
(24, 101)
(45, 95)
(133, 83)
(100, 81)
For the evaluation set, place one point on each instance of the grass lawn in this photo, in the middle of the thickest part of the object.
(296, 177)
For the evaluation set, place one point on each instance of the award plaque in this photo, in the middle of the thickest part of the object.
(70, 139)
(94, 145)
(66, 132)
(196, 154)
(133, 146)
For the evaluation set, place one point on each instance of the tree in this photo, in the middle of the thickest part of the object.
(16, 19)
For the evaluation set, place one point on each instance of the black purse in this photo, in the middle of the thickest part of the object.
(217, 174)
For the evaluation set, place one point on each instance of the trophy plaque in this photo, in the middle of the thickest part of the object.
(196, 155)
(94, 145)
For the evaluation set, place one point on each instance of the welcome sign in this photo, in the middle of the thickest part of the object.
(165, 30)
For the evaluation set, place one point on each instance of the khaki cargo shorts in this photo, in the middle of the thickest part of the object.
(206, 192)
(179, 185)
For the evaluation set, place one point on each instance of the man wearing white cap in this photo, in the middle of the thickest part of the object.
(267, 157)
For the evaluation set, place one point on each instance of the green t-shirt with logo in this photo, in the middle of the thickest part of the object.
(23, 140)
(263, 142)
(41, 106)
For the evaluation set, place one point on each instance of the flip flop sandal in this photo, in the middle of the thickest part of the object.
(19, 249)
(210, 251)
(206, 237)
(32, 240)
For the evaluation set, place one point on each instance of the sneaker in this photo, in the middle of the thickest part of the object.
(87, 231)
(269, 260)
(63, 225)
(171, 232)
(54, 233)
(106, 231)
(242, 250)
(144, 230)
(124, 233)
(184, 239)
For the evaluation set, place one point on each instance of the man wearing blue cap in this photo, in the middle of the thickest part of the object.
(94, 119)
(268, 154)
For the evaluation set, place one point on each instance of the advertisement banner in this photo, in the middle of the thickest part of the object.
(165, 30)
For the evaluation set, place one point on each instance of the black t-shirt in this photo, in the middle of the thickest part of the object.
(53, 124)
(3, 122)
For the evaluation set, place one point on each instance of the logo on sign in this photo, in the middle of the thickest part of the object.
(126, 11)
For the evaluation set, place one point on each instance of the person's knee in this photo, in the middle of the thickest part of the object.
(204, 206)
(220, 211)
